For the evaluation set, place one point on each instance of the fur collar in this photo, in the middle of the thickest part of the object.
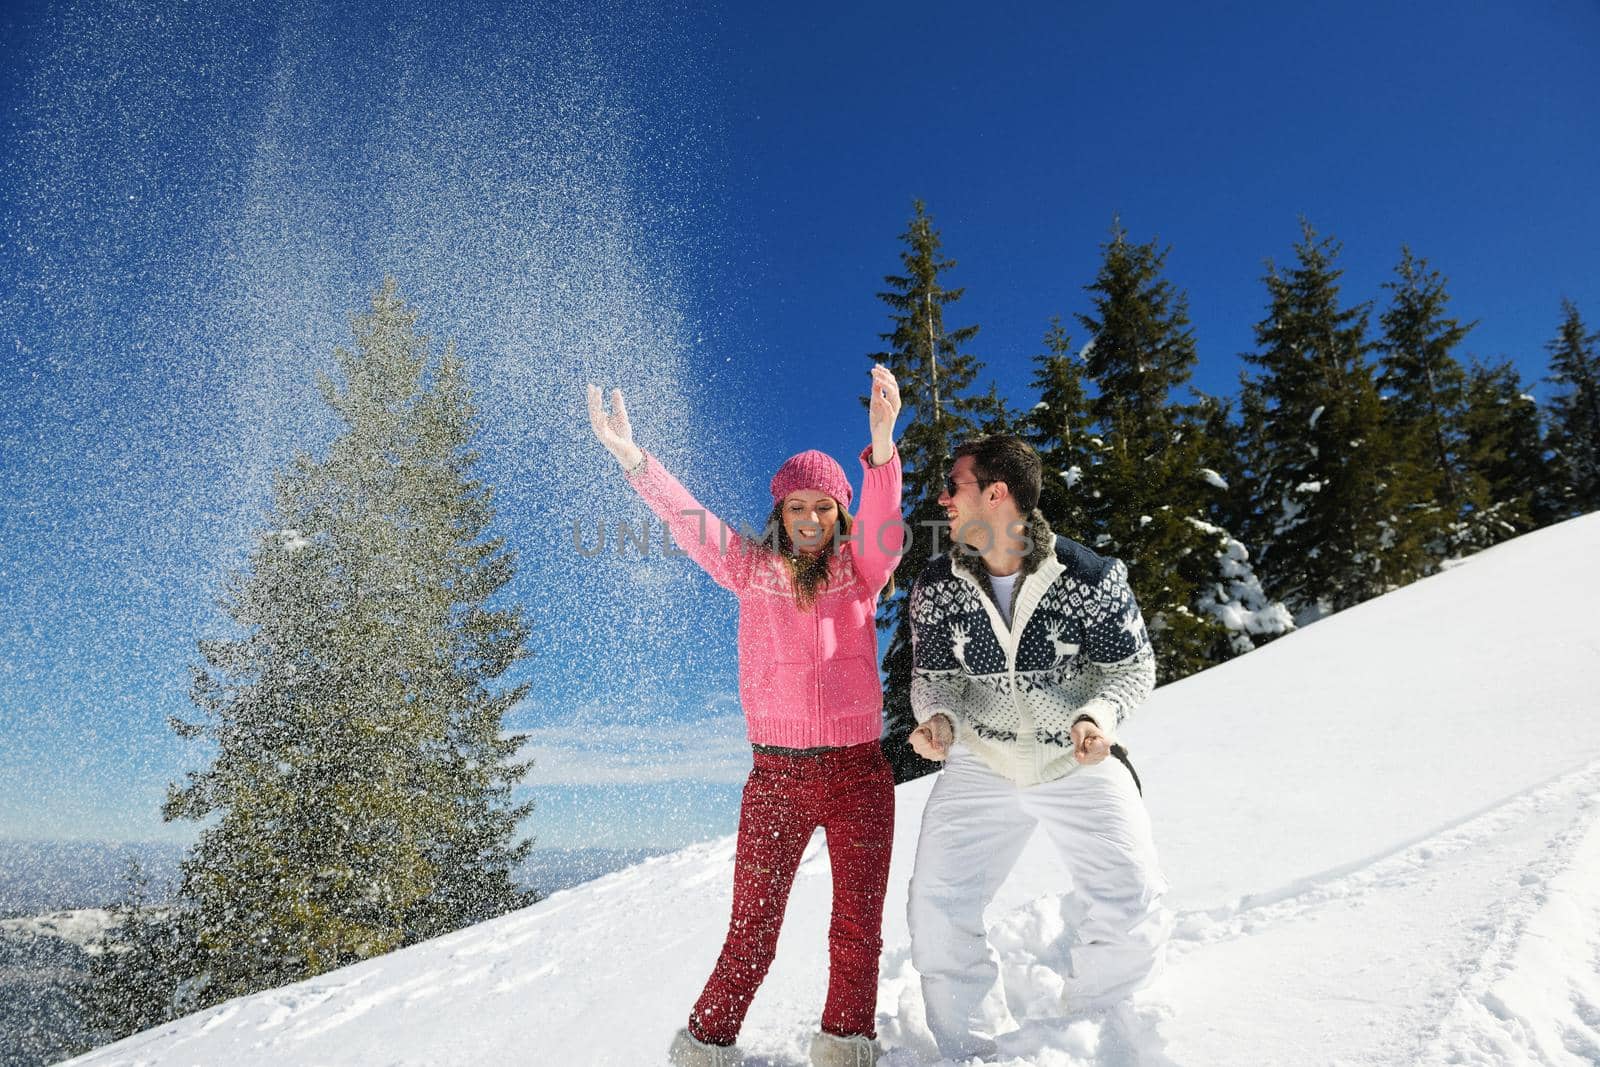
(1042, 545)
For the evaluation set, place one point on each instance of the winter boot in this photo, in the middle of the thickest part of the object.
(687, 1051)
(830, 1050)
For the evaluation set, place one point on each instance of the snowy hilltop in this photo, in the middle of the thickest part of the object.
(1382, 834)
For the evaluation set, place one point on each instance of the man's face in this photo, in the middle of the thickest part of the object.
(969, 513)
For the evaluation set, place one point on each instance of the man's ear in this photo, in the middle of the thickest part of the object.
(1002, 494)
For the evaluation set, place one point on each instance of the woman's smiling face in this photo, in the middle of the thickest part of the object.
(809, 518)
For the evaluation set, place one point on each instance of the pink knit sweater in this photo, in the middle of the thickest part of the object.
(806, 678)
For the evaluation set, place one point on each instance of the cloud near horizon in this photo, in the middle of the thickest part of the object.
(591, 753)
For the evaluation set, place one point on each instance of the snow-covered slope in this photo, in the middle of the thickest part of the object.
(1381, 832)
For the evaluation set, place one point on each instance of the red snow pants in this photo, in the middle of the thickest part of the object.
(849, 792)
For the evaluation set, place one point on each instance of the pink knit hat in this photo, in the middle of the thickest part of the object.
(811, 470)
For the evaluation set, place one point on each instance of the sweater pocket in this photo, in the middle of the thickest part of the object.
(850, 683)
(783, 689)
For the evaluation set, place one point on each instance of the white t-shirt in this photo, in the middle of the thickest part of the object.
(1002, 593)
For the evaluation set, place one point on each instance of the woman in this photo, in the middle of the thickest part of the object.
(808, 683)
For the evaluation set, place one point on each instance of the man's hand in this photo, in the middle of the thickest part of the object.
(932, 740)
(1089, 745)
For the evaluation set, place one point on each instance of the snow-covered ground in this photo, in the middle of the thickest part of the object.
(1383, 834)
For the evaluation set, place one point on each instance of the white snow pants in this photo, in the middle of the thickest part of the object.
(973, 830)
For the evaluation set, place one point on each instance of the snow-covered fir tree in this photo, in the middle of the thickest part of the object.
(1151, 495)
(1575, 409)
(1233, 594)
(359, 797)
(1424, 389)
(1059, 427)
(939, 412)
(1327, 515)
(1510, 484)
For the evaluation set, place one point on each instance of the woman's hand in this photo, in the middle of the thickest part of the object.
(614, 430)
(882, 410)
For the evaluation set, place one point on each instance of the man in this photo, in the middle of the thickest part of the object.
(1029, 651)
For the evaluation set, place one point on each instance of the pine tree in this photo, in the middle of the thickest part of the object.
(1320, 455)
(1141, 348)
(1575, 412)
(1151, 499)
(1509, 483)
(135, 977)
(360, 788)
(1231, 593)
(939, 411)
(1141, 345)
(1425, 394)
(467, 645)
(1059, 428)
(1224, 467)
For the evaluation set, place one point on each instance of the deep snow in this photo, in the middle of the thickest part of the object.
(1381, 832)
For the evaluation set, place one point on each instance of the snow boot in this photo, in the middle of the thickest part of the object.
(688, 1051)
(830, 1050)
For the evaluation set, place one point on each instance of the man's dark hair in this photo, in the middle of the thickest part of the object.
(1005, 457)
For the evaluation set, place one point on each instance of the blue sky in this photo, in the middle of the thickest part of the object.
(697, 203)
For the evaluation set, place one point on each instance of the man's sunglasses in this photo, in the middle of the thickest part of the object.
(951, 486)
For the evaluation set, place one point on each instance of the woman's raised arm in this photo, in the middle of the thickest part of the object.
(708, 540)
(881, 531)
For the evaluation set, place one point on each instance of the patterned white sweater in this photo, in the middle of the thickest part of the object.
(1077, 646)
